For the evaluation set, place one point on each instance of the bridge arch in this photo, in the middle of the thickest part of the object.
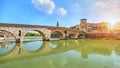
(71, 35)
(57, 34)
(81, 36)
(43, 36)
(9, 34)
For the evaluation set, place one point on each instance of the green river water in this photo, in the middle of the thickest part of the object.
(61, 54)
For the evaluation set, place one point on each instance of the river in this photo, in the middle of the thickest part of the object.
(84, 53)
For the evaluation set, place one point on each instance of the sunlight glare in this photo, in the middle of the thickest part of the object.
(112, 23)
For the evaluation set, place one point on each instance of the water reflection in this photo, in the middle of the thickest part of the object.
(53, 45)
(65, 53)
(32, 46)
(6, 47)
(85, 47)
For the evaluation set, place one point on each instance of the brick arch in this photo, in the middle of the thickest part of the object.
(39, 31)
(81, 35)
(12, 33)
(71, 35)
(59, 32)
(43, 35)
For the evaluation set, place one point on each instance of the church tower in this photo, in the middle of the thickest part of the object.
(83, 21)
(57, 24)
(83, 24)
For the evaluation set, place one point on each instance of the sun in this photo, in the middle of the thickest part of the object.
(112, 23)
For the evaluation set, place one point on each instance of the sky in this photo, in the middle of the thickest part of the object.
(67, 12)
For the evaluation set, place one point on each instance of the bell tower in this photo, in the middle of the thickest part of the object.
(83, 21)
(57, 24)
(83, 24)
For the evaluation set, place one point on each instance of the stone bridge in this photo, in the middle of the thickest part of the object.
(19, 31)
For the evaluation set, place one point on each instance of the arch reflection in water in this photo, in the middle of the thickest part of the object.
(65, 54)
(32, 46)
(6, 47)
(53, 45)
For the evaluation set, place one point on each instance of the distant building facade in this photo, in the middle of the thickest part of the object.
(86, 27)
(116, 29)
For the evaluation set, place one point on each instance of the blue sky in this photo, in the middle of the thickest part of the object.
(67, 12)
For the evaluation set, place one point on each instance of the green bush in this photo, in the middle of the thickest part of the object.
(32, 34)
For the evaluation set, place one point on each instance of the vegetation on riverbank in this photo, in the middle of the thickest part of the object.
(32, 34)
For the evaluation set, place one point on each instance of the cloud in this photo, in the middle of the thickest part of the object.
(107, 9)
(44, 5)
(77, 7)
(61, 11)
